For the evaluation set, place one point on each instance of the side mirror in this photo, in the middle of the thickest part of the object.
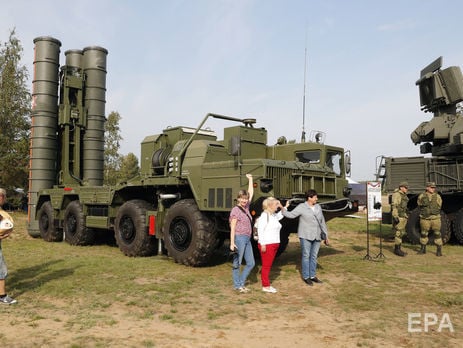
(347, 162)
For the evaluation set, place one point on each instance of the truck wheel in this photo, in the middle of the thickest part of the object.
(413, 227)
(459, 226)
(189, 235)
(414, 231)
(284, 240)
(131, 229)
(75, 231)
(46, 217)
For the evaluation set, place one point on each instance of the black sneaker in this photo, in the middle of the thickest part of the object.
(316, 280)
(308, 281)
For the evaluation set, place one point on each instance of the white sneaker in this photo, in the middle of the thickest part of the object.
(7, 300)
(270, 289)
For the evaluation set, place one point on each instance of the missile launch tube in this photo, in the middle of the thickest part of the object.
(43, 139)
(74, 58)
(94, 65)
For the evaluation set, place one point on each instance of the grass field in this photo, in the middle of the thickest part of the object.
(97, 297)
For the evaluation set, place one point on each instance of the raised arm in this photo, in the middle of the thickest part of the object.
(250, 186)
(293, 213)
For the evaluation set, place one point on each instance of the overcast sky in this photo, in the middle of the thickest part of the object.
(172, 62)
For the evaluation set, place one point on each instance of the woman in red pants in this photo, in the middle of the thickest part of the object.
(268, 229)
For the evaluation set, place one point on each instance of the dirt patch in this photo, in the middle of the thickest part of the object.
(360, 304)
(304, 325)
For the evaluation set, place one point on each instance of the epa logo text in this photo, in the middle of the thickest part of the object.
(423, 322)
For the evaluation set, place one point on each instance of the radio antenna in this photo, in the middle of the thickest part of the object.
(303, 98)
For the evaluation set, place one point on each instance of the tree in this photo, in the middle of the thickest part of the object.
(112, 158)
(129, 167)
(15, 111)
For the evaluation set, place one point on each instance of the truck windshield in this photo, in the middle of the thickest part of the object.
(333, 161)
(312, 156)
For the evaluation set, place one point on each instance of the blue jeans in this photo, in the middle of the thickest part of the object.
(3, 269)
(243, 244)
(310, 250)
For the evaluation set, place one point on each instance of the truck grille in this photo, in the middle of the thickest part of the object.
(287, 182)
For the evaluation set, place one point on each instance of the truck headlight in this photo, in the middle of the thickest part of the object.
(266, 185)
(346, 191)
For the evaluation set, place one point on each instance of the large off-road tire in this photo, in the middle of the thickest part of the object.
(458, 224)
(131, 229)
(413, 227)
(75, 231)
(46, 218)
(190, 237)
(414, 231)
(284, 240)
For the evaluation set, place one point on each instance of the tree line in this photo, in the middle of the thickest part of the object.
(15, 124)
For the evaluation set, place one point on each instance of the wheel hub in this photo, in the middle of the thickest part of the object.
(180, 234)
(71, 224)
(44, 222)
(127, 229)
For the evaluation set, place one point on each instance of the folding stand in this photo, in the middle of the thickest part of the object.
(367, 256)
(380, 255)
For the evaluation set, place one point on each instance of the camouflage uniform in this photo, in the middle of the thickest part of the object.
(399, 214)
(430, 205)
(399, 208)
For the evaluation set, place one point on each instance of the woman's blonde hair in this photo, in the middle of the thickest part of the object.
(266, 202)
(242, 193)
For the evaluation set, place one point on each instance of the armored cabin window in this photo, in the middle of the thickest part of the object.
(334, 161)
(312, 156)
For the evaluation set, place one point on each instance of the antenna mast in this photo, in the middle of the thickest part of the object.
(303, 98)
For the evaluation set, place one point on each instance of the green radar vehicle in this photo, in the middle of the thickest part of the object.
(441, 139)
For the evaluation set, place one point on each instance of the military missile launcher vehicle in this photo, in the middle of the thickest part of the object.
(188, 181)
(440, 90)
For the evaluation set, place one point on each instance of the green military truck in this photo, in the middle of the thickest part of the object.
(442, 138)
(188, 180)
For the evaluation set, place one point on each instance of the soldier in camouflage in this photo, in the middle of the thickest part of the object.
(399, 215)
(430, 204)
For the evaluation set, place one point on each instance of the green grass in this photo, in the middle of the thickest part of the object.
(79, 288)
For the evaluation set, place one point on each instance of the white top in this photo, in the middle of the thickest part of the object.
(268, 228)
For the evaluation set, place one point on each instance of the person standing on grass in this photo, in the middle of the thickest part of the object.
(430, 204)
(311, 230)
(4, 298)
(268, 228)
(240, 237)
(399, 216)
